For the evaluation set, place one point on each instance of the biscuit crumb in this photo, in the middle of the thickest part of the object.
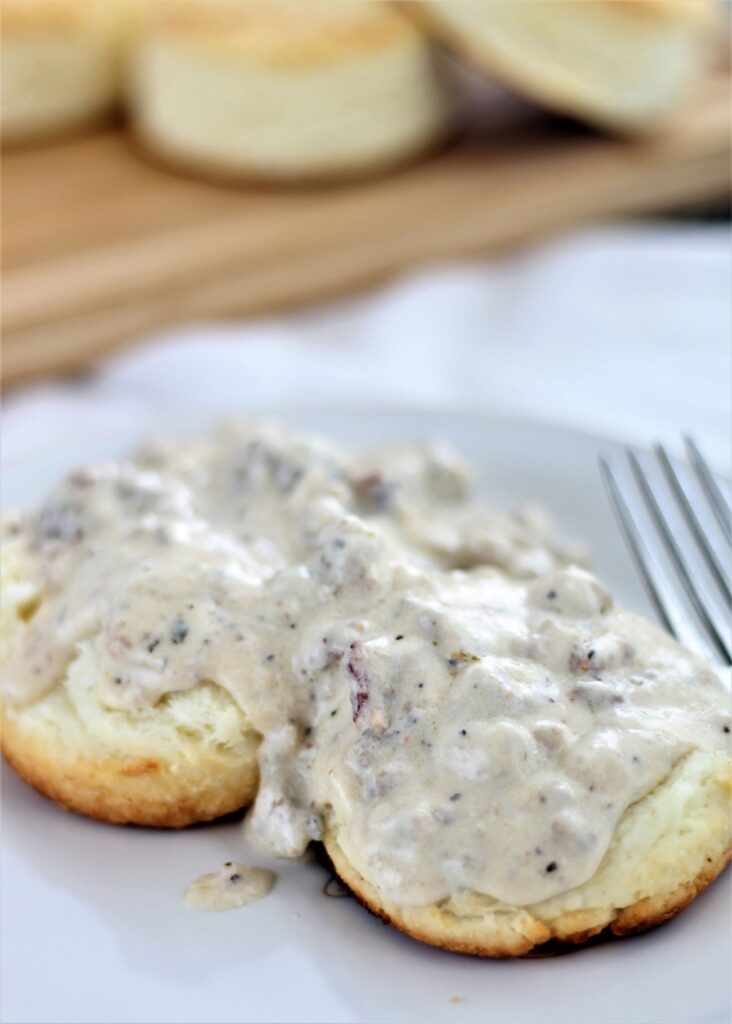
(457, 999)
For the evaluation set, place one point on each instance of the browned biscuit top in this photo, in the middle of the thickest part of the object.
(284, 32)
(33, 16)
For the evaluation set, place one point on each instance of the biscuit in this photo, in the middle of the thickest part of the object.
(61, 65)
(192, 757)
(621, 64)
(668, 848)
(278, 91)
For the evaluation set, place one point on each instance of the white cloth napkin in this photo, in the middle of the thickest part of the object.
(624, 332)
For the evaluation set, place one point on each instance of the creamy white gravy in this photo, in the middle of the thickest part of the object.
(234, 885)
(471, 711)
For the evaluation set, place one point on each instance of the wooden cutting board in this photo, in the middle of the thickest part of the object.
(101, 246)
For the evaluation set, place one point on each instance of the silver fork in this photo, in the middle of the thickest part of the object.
(676, 521)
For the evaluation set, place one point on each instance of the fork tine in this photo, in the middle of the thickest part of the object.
(681, 565)
(711, 556)
(717, 500)
(673, 616)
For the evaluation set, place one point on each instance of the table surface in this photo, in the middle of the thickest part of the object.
(100, 245)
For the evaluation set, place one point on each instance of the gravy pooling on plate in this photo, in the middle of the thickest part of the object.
(234, 885)
(472, 710)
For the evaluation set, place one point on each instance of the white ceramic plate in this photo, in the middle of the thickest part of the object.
(93, 925)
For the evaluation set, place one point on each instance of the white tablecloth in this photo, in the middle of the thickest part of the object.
(625, 332)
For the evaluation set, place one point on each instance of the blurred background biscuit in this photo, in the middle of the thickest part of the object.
(622, 64)
(274, 90)
(60, 64)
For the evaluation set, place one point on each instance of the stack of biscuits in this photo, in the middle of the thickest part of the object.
(284, 90)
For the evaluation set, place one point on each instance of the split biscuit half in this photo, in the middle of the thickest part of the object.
(191, 757)
(668, 847)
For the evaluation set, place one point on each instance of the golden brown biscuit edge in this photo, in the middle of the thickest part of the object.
(139, 789)
(424, 924)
